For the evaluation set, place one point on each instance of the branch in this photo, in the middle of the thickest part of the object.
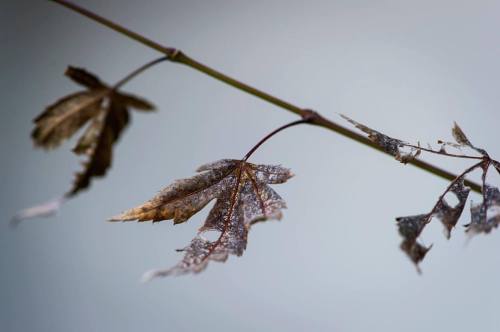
(178, 56)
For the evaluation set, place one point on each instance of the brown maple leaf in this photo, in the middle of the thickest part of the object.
(243, 197)
(107, 111)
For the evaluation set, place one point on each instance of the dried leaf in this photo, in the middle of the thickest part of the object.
(135, 102)
(101, 149)
(87, 141)
(497, 166)
(83, 77)
(485, 216)
(102, 106)
(62, 119)
(449, 215)
(392, 146)
(243, 198)
(462, 140)
(411, 227)
(459, 136)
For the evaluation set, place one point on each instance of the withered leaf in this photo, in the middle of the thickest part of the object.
(485, 216)
(410, 227)
(105, 110)
(462, 140)
(448, 214)
(392, 146)
(496, 164)
(459, 135)
(243, 197)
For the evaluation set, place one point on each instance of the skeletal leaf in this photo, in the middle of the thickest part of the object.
(243, 197)
(449, 215)
(104, 109)
(485, 216)
(410, 227)
(392, 146)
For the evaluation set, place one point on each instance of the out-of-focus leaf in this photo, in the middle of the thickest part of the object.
(243, 197)
(83, 77)
(459, 136)
(100, 151)
(42, 210)
(87, 141)
(106, 112)
(135, 102)
(62, 119)
(462, 140)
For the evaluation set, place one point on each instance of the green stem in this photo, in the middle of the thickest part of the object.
(179, 57)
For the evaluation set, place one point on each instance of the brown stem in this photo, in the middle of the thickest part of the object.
(485, 165)
(177, 56)
(271, 134)
(136, 72)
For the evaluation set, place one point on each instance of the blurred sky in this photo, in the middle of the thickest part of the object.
(407, 68)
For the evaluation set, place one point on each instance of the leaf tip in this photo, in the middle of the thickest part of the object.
(152, 274)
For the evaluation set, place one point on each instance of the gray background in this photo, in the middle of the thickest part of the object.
(407, 68)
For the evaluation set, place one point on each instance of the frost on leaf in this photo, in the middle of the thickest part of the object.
(485, 216)
(448, 214)
(392, 146)
(104, 109)
(411, 227)
(243, 197)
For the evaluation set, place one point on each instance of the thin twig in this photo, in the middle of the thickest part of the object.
(175, 55)
(443, 153)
